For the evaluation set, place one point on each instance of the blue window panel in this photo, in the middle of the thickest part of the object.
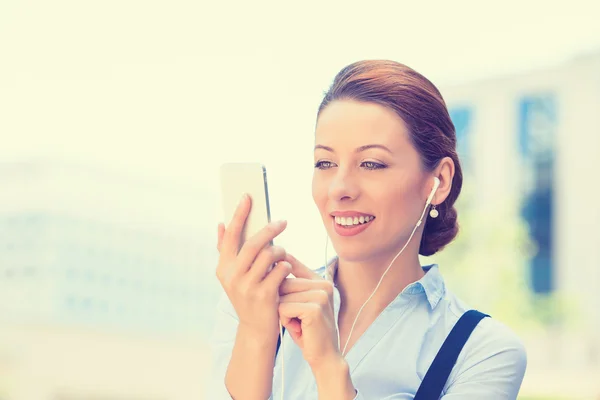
(537, 124)
(462, 119)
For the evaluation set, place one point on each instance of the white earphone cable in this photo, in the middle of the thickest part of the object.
(381, 279)
(282, 360)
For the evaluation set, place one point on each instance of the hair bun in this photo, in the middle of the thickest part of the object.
(439, 231)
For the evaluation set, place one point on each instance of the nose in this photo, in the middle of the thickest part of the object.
(343, 186)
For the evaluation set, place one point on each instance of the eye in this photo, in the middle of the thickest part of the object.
(372, 165)
(323, 164)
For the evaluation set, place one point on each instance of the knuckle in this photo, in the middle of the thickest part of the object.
(279, 268)
(323, 297)
(275, 253)
(287, 267)
(269, 252)
(279, 252)
(328, 287)
(252, 245)
(262, 256)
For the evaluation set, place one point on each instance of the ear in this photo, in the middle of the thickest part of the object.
(445, 173)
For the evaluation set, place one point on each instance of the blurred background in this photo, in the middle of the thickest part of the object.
(114, 119)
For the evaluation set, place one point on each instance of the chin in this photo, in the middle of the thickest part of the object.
(364, 250)
(354, 253)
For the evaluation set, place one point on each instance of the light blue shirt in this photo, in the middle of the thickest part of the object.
(389, 361)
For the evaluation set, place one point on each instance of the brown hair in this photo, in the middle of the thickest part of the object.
(421, 106)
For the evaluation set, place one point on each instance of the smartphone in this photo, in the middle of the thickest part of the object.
(251, 178)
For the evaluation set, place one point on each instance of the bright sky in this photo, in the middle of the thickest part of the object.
(172, 89)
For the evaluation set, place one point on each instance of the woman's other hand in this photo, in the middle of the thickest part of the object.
(306, 311)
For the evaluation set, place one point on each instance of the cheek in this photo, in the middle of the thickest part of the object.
(319, 192)
(403, 204)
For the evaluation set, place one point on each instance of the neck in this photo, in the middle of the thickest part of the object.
(356, 280)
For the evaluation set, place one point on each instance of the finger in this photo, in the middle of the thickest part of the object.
(220, 234)
(277, 275)
(256, 243)
(305, 312)
(300, 270)
(303, 284)
(310, 296)
(293, 326)
(267, 257)
(233, 233)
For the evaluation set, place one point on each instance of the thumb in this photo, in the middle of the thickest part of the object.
(300, 270)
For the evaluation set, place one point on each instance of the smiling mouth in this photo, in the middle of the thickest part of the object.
(349, 222)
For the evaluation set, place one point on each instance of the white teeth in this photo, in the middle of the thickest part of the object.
(349, 221)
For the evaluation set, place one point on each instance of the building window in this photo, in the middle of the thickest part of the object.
(537, 131)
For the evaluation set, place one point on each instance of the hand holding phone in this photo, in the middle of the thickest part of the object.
(246, 250)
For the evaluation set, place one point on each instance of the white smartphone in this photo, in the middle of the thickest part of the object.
(250, 178)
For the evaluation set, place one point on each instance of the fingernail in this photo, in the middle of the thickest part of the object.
(280, 223)
(244, 197)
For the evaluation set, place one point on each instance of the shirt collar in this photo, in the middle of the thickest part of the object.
(432, 283)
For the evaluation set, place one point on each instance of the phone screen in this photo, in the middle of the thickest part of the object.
(250, 178)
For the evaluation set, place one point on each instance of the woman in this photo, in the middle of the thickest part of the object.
(369, 325)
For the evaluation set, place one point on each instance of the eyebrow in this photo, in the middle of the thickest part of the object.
(358, 149)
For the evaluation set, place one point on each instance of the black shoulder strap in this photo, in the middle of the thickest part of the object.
(279, 342)
(439, 371)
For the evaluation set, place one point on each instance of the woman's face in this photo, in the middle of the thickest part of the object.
(368, 184)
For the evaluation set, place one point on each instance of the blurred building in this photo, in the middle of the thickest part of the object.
(89, 258)
(534, 138)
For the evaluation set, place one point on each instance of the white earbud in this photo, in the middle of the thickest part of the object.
(436, 185)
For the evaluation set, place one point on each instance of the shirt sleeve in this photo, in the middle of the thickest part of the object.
(222, 341)
(493, 365)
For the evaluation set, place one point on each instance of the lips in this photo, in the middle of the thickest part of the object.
(350, 223)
